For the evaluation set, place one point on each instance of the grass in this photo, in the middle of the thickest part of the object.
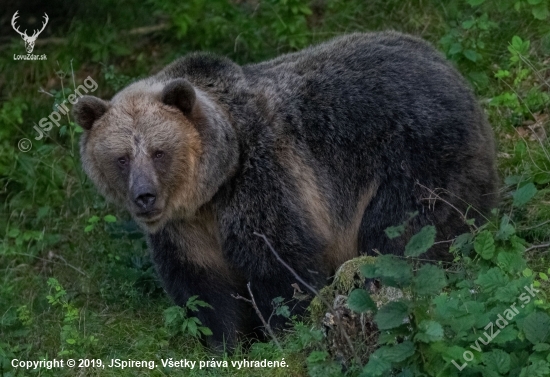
(48, 203)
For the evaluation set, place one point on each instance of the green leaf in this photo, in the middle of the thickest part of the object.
(463, 243)
(394, 231)
(205, 331)
(501, 74)
(392, 270)
(484, 244)
(430, 331)
(89, 228)
(429, 280)
(360, 301)
(539, 368)
(369, 271)
(541, 347)
(510, 262)
(517, 42)
(398, 352)
(455, 48)
(391, 315)
(470, 55)
(468, 24)
(305, 10)
(534, 2)
(536, 327)
(524, 194)
(497, 360)
(317, 356)
(376, 366)
(542, 178)
(421, 242)
(540, 12)
(94, 219)
(475, 3)
(506, 229)
(109, 219)
(492, 279)
(192, 327)
(506, 294)
(172, 314)
(283, 311)
(508, 334)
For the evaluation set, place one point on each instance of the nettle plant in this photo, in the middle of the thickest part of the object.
(522, 83)
(484, 316)
(73, 341)
(178, 320)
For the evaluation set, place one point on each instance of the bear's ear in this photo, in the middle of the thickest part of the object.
(88, 109)
(179, 93)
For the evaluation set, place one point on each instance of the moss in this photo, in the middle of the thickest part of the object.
(346, 278)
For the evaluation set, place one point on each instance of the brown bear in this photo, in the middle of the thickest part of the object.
(318, 150)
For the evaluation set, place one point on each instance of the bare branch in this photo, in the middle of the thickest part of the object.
(259, 313)
(314, 291)
(540, 246)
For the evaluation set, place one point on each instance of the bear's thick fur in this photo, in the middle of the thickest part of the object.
(318, 150)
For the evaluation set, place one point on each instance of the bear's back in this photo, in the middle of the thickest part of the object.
(385, 108)
(373, 99)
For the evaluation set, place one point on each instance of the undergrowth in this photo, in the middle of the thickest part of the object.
(76, 279)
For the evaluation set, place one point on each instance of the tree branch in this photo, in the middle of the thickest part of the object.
(314, 291)
(259, 313)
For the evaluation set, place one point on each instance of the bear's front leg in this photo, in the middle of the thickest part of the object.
(183, 278)
(268, 277)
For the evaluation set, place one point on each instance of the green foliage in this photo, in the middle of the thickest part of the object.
(54, 223)
(177, 319)
(430, 280)
(484, 244)
(280, 308)
(94, 220)
(488, 306)
(392, 315)
(360, 301)
(74, 342)
(391, 270)
(420, 242)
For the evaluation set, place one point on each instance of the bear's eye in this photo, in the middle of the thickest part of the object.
(122, 161)
(158, 154)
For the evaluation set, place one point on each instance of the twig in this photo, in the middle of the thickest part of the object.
(537, 246)
(44, 92)
(147, 29)
(438, 197)
(259, 313)
(314, 291)
(536, 226)
(54, 262)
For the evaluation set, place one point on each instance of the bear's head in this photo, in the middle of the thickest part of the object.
(162, 149)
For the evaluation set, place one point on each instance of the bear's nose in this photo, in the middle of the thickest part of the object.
(145, 201)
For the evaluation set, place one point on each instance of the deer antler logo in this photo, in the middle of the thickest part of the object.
(29, 41)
